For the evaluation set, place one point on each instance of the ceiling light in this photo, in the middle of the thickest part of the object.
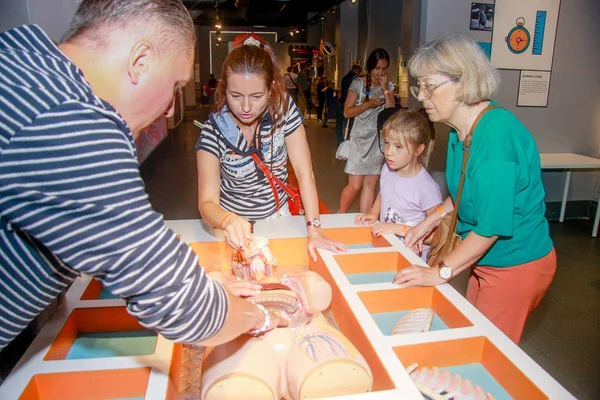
(291, 33)
(332, 11)
(353, 1)
(322, 17)
(260, 26)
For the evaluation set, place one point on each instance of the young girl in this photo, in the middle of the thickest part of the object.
(408, 193)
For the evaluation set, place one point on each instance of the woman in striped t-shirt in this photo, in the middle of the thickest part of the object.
(254, 114)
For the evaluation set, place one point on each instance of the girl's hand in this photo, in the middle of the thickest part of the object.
(237, 231)
(385, 227)
(415, 275)
(365, 219)
(275, 321)
(242, 288)
(375, 102)
(383, 82)
(318, 240)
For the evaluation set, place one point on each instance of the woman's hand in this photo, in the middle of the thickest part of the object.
(237, 231)
(385, 227)
(318, 240)
(383, 82)
(416, 235)
(375, 102)
(242, 288)
(365, 219)
(415, 275)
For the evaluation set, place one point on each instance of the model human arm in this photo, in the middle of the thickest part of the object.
(351, 110)
(236, 228)
(372, 216)
(299, 155)
(471, 249)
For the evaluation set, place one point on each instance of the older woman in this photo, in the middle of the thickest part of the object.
(501, 213)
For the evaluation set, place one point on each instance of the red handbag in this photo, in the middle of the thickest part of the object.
(294, 200)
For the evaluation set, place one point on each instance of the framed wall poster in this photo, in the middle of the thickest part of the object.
(524, 34)
(482, 17)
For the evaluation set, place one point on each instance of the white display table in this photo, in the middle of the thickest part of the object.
(474, 339)
(570, 162)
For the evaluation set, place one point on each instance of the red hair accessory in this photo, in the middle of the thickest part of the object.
(251, 39)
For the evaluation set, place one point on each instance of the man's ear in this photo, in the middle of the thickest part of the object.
(141, 55)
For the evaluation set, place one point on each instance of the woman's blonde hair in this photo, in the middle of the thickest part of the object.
(412, 130)
(457, 55)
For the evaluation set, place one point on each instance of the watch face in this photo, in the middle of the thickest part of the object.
(316, 223)
(445, 272)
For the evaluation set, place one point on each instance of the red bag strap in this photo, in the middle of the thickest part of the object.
(467, 152)
(270, 176)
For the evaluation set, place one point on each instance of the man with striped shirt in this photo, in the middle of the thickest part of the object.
(71, 197)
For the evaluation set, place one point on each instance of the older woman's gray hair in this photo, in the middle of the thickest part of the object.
(457, 55)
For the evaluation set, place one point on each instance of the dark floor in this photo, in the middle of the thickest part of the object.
(562, 335)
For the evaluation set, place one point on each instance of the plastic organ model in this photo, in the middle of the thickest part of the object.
(439, 384)
(308, 359)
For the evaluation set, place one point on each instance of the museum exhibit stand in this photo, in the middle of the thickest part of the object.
(342, 311)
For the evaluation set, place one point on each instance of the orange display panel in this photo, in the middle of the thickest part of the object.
(391, 261)
(350, 327)
(469, 351)
(360, 235)
(90, 320)
(387, 301)
(217, 256)
(89, 385)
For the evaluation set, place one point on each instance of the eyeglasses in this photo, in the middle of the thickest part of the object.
(427, 89)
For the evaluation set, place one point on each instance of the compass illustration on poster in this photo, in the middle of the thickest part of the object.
(518, 38)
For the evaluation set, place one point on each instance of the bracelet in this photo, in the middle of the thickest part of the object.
(227, 215)
(386, 91)
(404, 229)
(267, 321)
(440, 210)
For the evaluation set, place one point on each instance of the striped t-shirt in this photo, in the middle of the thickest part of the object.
(72, 201)
(244, 188)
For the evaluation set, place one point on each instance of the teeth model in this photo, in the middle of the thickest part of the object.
(416, 321)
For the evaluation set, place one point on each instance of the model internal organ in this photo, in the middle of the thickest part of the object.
(255, 263)
(306, 360)
(440, 384)
(416, 321)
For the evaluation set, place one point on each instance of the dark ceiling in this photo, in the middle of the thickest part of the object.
(267, 13)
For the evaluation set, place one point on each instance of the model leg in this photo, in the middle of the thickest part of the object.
(245, 368)
(323, 363)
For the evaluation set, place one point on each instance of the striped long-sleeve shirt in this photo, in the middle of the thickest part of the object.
(72, 201)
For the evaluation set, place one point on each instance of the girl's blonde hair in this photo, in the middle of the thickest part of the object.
(456, 55)
(412, 130)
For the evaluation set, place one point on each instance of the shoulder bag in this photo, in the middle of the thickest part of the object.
(445, 239)
(343, 150)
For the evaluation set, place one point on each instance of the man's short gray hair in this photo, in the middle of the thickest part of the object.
(166, 20)
(457, 55)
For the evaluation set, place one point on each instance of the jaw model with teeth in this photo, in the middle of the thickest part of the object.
(307, 359)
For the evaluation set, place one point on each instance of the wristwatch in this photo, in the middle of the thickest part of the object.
(445, 272)
(315, 222)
